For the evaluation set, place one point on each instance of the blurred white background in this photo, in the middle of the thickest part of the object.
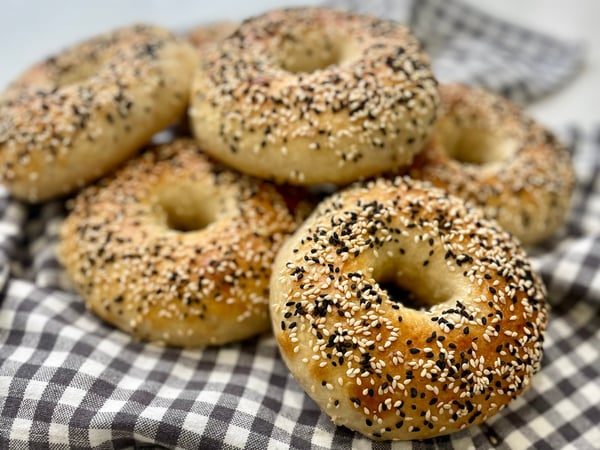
(32, 29)
(574, 20)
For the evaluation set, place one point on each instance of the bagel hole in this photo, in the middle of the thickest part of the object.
(185, 221)
(411, 286)
(186, 212)
(308, 53)
(475, 146)
(72, 77)
(399, 294)
(92, 62)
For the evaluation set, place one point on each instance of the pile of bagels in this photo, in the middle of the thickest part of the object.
(318, 182)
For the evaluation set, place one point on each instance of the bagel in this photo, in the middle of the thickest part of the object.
(312, 95)
(359, 348)
(210, 33)
(175, 249)
(486, 150)
(75, 116)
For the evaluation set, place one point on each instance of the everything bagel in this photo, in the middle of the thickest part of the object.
(175, 248)
(314, 95)
(75, 116)
(379, 366)
(486, 150)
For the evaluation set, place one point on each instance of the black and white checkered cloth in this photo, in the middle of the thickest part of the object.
(470, 46)
(67, 380)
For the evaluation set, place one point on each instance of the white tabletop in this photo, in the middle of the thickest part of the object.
(32, 29)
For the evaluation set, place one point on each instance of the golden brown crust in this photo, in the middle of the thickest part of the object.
(485, 150)
(75, 116)
(376, 364)
(314, 95)
(200, 287)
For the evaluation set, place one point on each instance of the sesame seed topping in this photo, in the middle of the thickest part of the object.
(173, 241)
(390, 367)
(311, 89)
(525, 177)
(82, 105)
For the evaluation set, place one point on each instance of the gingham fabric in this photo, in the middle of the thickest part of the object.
(470, 46)
(67, 380)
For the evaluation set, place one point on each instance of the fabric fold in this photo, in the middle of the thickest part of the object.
(470, 46)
